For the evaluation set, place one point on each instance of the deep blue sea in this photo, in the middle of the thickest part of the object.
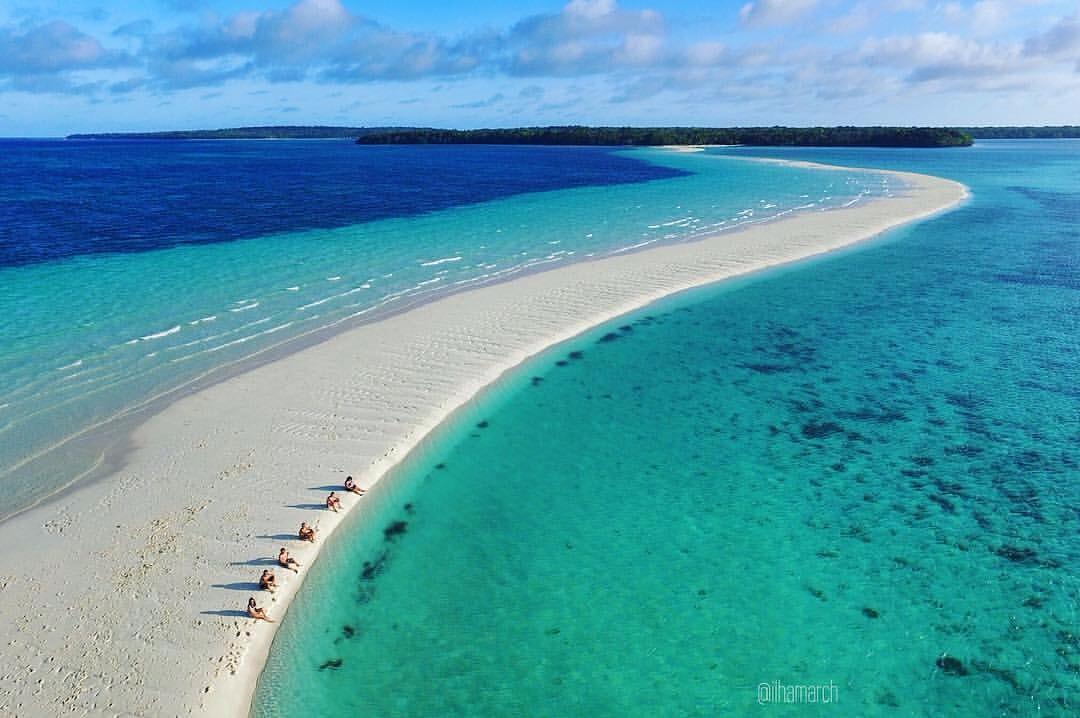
(860, 473)
(132, 271)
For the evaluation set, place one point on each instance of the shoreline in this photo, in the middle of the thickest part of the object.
(107, 440)
(150, 633)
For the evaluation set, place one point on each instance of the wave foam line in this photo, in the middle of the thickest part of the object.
(437, 262)
(159, 335)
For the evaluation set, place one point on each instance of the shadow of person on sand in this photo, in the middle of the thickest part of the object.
(255, 562)
(308, 507)
(227, 613)
(278, 537)
(239, 586)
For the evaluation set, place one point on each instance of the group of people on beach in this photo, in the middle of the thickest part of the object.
(267, 581)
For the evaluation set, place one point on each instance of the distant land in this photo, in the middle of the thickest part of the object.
(759, 136)
(1057, 132)
(270, 132)
(580, 135)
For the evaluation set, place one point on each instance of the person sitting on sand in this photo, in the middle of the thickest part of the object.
(286, 561)
(350, 485)
(267, 582)
(256, 612)
(306, 533)
(333, 502)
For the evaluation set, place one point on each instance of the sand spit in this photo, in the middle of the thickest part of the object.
(126, 597)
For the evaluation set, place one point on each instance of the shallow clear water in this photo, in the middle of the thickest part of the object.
(859, 472)
(129, 271)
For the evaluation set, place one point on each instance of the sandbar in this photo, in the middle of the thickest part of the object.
(126, 596)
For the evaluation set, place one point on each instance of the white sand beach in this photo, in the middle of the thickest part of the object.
(126, 596)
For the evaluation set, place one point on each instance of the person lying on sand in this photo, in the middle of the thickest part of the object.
(306, 533)
(267, 582)
(256, 612)
(286, 561)
(350, 485)
(333, 502)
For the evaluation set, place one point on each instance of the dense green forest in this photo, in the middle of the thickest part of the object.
(578, 135)
(1038, 133)
(246, 133)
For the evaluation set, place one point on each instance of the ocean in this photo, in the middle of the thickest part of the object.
(848, 486)
(134, 271)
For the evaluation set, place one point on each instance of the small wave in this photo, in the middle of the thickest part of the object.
(437, 262)
(210, 318)
(159, 335)
(244, 309)
(429, 281)
(333, 279)
(309, 305)
(241, 340)
(292, 289)
(636, 246)
(72, 365)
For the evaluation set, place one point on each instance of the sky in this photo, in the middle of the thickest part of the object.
(139, 65)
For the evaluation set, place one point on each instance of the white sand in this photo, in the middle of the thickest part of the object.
(108, 595)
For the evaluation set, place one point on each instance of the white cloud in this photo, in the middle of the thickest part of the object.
(983, 18)
(1060, 42)
(774, 12)
(590, 9)
(854, 20)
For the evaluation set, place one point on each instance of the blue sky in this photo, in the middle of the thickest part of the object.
(82, 65)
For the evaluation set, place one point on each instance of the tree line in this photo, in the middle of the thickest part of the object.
(615, 136)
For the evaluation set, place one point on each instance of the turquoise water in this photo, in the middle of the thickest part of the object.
(861, 472)
(90, 338)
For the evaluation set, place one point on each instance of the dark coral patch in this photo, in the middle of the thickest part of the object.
(332, 663)
(944, 503)
(483, 424)
(820, 430)
(966, 450)
(962, 401)
(576, 355)
(609, 337)
(768, 368)
(371, 569)
(395, 529)
(870, 613)
(951, 666)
